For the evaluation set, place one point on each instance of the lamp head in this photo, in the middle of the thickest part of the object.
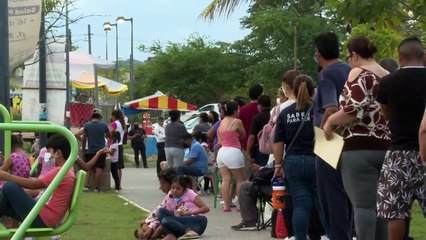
(120, 19)
(107, 26)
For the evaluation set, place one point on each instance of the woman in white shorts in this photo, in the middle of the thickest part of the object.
(230, 159)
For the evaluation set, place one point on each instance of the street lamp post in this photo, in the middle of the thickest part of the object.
(107, 27)
(132, 76)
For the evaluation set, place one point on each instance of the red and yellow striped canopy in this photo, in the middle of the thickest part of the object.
(161, 102)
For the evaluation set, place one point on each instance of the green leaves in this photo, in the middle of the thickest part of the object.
(198, 71)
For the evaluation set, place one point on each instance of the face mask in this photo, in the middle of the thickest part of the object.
(278, 101)
(316, 58)
(47, 157)
(136, 126)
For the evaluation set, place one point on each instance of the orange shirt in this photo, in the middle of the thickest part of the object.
(55, 209)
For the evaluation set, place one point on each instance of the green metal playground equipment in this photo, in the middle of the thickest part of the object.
(33, 126)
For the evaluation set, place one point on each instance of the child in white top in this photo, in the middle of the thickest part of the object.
(113, 156)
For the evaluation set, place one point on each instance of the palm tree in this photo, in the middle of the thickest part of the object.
(222, 8)
(225, 8)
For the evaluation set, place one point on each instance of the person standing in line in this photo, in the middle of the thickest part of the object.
(294, 132)
(364, 129)
(402, 97)
(422, 139)
(173, 144)
(118, 124)
(230, 158)
(94, 132)
(334, 201)
(137, 136)
(203, 125)
(257, 124)
(248, 111)
(160, 136)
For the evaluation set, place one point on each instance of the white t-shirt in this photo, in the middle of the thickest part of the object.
(119, 128)
(281, 106)
(114, 157)
(160, 133)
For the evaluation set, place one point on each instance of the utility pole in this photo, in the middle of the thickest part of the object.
(42, 88)
(89, 35)
(4, 63)
(67, 68)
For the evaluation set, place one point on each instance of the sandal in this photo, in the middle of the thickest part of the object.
(226, 210)
(190, 235)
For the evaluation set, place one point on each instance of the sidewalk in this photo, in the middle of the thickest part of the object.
(141, 187)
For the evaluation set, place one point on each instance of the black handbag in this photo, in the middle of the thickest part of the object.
(263, 176)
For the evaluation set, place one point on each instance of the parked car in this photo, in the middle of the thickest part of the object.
(191, 122)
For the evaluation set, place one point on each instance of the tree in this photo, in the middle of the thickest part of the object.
(198, 71)
(281, 39)
(386, 40)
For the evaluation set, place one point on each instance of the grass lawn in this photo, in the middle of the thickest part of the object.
(104, 216)
(418, 223)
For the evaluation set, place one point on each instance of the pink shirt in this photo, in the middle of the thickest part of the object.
(186, 201)
(55, 209)
(230, 139)
(21, 165)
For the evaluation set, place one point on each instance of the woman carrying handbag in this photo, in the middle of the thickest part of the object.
(294, 126)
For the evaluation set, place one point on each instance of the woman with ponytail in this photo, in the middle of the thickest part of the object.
(294, 131)
(360, 121)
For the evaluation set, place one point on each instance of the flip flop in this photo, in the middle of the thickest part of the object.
(226, 210)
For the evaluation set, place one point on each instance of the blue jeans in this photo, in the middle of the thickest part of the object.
(178, 226)
(17, 204)
(189, 170)
(301, 184)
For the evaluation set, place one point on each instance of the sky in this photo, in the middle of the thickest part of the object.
(153, 20)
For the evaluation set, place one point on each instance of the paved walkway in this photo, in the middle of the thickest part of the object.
(141, 187)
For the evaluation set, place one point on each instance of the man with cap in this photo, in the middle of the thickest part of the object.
(94, 132)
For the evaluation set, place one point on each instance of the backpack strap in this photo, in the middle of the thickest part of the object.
(274, 114)
(300, 127)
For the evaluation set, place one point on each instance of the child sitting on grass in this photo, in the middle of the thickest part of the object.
(183, 214)
(150, 227)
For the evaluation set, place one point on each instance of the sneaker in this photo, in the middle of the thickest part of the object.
(97, 190)
(243, 227)
(190, 235)
(86, 189)
(235, 200)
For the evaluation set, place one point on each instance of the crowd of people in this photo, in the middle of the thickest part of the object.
(378, 109)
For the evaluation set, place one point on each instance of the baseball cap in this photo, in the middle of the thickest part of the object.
(97, 110)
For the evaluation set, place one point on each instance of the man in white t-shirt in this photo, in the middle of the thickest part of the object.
(160, 136)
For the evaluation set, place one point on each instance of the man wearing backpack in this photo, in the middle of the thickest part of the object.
(257, 124)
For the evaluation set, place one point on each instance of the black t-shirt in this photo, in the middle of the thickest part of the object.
(258, 122)
(140, 133)
(404, 92)
(288, 122)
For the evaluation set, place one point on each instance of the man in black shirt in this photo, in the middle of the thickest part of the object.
(137, 135)
(257, 124)
(402, 96)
